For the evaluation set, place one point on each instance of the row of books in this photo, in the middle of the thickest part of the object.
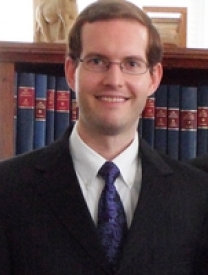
(174, 121)
(44, 107)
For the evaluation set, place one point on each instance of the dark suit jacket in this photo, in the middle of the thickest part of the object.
(46, 228)
(200, 162)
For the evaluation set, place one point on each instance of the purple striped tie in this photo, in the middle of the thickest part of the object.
(112, 225)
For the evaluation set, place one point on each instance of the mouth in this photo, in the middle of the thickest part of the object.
(112, 99)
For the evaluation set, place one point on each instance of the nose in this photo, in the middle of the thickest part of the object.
(114, 75)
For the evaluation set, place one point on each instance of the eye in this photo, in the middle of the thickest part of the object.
(134, 63)
(95, 61)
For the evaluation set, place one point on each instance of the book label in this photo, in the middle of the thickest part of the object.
(173, 119)
(62, 101)
(188, 120)
(40, 109)
(149, 110)
(26, 97)
(202, 118)
(74, 111)
(161, 118)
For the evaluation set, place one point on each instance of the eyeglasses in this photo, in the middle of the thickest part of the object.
(101, 64)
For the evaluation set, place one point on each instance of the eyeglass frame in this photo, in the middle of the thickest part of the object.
(106, 68)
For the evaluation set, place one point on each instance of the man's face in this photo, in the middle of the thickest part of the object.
(112, 101)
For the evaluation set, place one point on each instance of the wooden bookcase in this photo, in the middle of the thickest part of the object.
(182, 66)
(40, 57)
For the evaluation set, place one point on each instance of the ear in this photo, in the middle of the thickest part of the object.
(156, 75)
(70, 68)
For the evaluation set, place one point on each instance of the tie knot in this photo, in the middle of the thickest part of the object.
(109, 172)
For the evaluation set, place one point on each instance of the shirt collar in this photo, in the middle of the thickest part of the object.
(128, 161)
(87, 162)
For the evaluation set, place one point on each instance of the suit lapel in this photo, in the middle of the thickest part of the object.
(61, 191)
(154, 198)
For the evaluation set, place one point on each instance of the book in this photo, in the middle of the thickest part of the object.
(161, 118)
(62, 107)
(15, 108)
(50, 108)
(173, 120)
(40, 110)
(188, 123)
(148, 121)
(25, 111)
(74, 108)
(202, 119)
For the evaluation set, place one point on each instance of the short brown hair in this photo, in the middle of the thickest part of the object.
(115, 9)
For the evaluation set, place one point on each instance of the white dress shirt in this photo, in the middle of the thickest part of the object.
(87, 164)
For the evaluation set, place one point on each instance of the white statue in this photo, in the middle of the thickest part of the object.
(53, 19)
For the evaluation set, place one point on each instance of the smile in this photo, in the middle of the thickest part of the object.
(112, 99)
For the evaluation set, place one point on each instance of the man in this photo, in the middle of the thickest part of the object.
(52, 200)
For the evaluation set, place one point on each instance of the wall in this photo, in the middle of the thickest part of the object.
(17, 25)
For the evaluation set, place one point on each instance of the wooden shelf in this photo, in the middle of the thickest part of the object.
(181, 65)
(32, 52)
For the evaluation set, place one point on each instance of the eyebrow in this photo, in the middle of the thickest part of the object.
(96, 54)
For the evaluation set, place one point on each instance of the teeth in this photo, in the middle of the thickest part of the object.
(113, 99)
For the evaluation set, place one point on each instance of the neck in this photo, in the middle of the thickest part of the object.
(108, 146)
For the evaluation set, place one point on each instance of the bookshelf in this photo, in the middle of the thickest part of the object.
(40, 57)
(181, 66)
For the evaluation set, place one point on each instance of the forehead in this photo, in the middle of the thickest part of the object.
(115, 37)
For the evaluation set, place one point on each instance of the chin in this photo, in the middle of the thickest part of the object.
(110, 129)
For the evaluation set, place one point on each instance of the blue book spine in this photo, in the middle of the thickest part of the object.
(40, 110)
(25, 112)
(62, 107)
(148, 121)
(202, 120)
(50, 108)
(173, 121)
(188, 123)
(161, 118)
